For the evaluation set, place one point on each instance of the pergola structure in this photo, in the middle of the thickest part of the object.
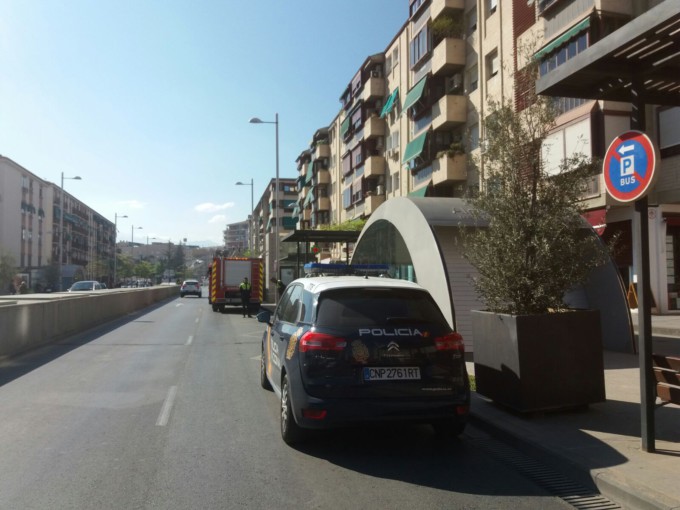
(640, 64)
(319, 236)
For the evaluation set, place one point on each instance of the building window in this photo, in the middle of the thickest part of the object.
(472, 78)
(492, 64)
(420, 46)
(471, 18)
(565, 52)
(395, 57)
(669, 131)
(473, 137)
(414, 6)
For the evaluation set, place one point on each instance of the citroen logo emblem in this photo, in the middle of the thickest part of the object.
(393, 346)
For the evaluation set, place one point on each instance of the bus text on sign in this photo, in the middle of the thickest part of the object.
(629, 166)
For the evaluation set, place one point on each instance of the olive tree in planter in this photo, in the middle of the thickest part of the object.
(531, 351)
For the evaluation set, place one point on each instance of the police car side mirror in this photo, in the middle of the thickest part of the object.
(264, 316)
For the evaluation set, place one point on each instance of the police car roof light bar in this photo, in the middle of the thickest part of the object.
(318, 269)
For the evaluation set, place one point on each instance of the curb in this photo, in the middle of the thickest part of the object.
(624, 491)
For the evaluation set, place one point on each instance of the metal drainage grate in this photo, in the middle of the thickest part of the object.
(557, 484)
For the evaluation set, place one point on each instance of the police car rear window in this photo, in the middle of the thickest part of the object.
(376, 307)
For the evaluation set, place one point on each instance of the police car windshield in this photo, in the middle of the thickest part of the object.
(374, 307)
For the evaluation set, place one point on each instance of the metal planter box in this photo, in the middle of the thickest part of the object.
(539, 362)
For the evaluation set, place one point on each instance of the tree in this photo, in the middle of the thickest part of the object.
(7, 271)
(535, 247)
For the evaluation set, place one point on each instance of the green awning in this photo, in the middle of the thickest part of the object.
(289, 223)
(344, 127)
(310, 172)
(301, 181)
(390, 103)
(269, 223)
(287, 204)
(559, 41)
(308, 198)
(414, 148)
(420, 192)
(414, 94)
(296, 212)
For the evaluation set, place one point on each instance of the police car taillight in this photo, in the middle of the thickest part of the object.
(451, 342)
(312, 341)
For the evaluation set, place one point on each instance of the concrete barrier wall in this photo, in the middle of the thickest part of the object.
(35, 320)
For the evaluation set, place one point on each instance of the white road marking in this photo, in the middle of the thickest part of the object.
(179, 304)
(196, 321)
(189, 340)
(167, 407)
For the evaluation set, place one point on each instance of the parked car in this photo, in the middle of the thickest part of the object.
(85, 285)
(190, 287)
(344, 350)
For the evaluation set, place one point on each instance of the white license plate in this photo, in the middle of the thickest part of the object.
(391, 373)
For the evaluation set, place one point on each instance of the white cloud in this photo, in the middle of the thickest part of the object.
(210, 207)
(219, 218)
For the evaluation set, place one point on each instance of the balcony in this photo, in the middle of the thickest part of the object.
(323, 204)
(372, 202)
(448, 7)
(322, 150)
(374, 127)
(449, 112)
(323, 177)
(374, 166)
(448, 169)
(306, 214)
(448, 57)
(373, 88)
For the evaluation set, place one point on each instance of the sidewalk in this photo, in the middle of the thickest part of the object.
(604, 441)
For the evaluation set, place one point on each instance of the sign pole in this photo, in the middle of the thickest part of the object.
(647, 387)
(629, 172)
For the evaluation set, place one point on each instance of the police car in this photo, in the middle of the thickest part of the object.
(347, 349)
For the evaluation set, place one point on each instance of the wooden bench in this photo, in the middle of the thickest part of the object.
(667, 373)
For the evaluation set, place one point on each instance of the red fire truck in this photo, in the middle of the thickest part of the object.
(225, 274)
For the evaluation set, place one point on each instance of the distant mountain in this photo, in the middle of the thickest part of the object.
(204, 244)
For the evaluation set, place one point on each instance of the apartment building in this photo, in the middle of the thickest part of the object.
(237, 238)
(30, 230)
(275, 208)
(410, 120)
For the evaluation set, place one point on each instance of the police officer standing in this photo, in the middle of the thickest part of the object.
(245, 288)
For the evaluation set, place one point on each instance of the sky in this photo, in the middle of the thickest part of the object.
(149, 101)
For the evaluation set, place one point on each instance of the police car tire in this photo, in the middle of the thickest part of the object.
(264, 382)
(290, 431)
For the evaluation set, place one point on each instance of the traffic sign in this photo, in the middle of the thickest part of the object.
(630, 166)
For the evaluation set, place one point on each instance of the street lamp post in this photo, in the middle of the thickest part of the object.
(256, 120)
(132, 242)
(61, 228)
(252, 212)
(115, 248)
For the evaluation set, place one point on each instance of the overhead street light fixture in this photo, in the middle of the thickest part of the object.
(256, 120)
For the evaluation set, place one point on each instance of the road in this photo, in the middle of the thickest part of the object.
(163, 410)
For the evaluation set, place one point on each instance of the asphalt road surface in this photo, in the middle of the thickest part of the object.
(163, 410)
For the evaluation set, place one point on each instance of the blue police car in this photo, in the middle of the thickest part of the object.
(343, 350)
